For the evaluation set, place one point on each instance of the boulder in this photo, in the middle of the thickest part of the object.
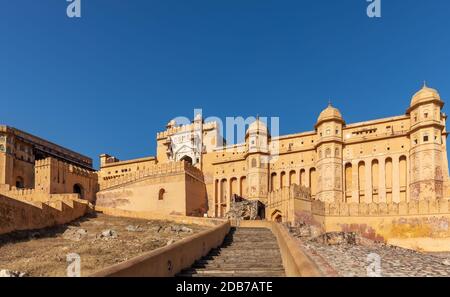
(244, 209)
(186, 229)
(74, 234)
(337, 238)
(133, 228)
(108, 234)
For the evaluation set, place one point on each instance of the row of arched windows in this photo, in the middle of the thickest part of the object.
(303, 177)
(367, 181)
(224, 189)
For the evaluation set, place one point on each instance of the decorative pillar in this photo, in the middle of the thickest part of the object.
(368, 187)
(219, 198)
(355, 181)
(382, 180)
(395, 179)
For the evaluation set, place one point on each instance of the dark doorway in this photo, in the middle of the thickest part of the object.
(187, 159)
(78, 189)
(20, 184)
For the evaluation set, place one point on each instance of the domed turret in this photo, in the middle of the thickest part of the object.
(329, 154)
(257, 127)
(426, 94)
(329, 113)
(426, 134)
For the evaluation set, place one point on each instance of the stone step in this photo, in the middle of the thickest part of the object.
(248, 242)
(255, 253)
(260, 275)
(242, 272)
(247, 252)
(242, 266)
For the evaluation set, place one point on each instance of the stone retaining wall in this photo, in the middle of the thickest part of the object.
(25, 215)
(170, 260)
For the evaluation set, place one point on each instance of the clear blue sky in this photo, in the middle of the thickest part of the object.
(109, 81)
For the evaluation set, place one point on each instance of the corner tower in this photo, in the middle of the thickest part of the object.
(329, 155)
(427, 153)
(257, 141)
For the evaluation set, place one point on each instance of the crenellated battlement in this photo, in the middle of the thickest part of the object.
(159, 170)
(423, 207)
(36, 195)
(25, 214)
(184, 128)
(52, 162)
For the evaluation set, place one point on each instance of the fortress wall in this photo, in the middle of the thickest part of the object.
(55, 177)
(151, 171)
(385, 222)
(24, 215)
(410, 222)
(148, 215)
(172, 188)
(145, 195)
(196, 196)
(35, 195)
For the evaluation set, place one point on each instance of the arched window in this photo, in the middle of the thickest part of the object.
(161, 194)
(327, 153)
(253, 162)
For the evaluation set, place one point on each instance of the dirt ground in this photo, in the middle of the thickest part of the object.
(44, 252)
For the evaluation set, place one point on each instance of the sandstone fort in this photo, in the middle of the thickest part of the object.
(386, 180)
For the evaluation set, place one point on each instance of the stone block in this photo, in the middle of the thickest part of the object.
(383, 209)
(403, 208)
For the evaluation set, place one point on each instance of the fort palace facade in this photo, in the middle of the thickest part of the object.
(337, 175)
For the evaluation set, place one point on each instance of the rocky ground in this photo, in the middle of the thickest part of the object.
(347, 254)
(100, 241)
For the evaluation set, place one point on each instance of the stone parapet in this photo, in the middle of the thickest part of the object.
(16, 214)
(184, 128)
(158, 170)
(440, 206)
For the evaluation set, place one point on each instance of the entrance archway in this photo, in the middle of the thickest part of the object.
(20, 184)
(277, 216)
(187, 159)
(78, 189)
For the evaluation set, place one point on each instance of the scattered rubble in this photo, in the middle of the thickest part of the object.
(349, 254)
(11, 273)
(108, 234)
(134, 228)
(243, 209)
(74, 234)
(105, 240)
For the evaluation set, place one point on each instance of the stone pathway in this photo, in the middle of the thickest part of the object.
(246, 252)
(354, 259)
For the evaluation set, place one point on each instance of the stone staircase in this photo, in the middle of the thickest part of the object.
(245, 252)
